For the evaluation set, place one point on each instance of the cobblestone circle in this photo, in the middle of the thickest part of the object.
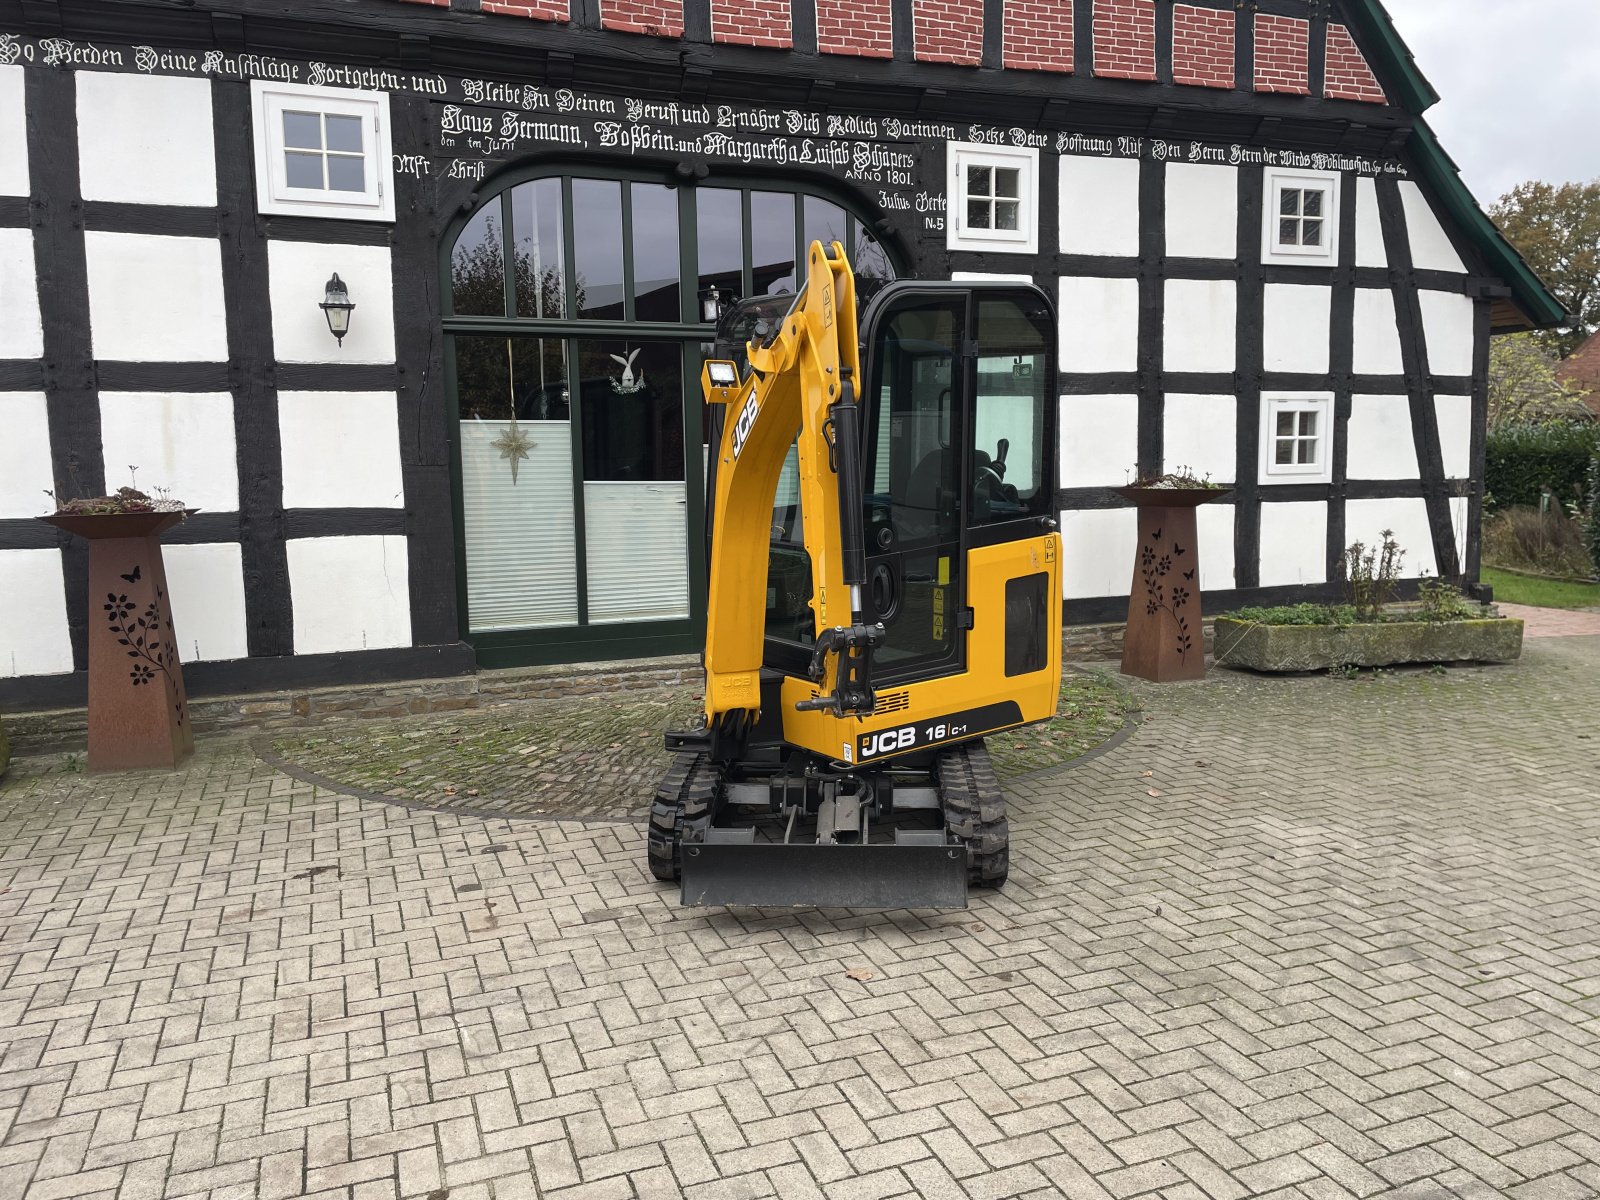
(594, 757)
(1293, 938)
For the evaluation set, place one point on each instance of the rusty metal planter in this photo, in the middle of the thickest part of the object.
(1164, 641)
(138, 706)
(1285, 648)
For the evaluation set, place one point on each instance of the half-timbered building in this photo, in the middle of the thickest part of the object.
(1266, 271)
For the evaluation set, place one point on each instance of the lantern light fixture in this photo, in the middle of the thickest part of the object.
(711, 304)
(336, 306)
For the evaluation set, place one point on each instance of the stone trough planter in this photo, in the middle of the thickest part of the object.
(1282, 648)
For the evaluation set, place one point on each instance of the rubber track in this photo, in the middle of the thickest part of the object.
(975, 811)
(684, 803)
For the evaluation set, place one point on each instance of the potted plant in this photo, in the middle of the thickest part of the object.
(138, 705)
(1163, 641)
(1366, 631)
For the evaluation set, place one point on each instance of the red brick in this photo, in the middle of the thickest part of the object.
(856, 27)
(1037, 35)
(949, 31)
(658, 18)
(752, 23)
(1348, 76)
(1202, 46)
(1125, 39)
(1283, 52)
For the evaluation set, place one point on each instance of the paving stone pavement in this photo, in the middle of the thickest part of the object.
(1293, 938)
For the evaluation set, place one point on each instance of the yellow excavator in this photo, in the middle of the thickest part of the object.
(885, 592)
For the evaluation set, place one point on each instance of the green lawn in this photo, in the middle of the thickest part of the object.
(1542, 593)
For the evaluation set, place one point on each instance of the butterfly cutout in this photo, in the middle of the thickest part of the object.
(1177, 549)
(1189, 574)
(134, 576)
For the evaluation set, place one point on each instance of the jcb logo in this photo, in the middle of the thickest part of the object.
(746, 422)
(888, 741)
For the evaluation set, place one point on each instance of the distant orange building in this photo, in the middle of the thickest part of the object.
(1582, 370)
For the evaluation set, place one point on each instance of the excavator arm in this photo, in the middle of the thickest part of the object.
(801, 389)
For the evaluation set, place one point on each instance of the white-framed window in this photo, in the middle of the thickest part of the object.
(993, 198)
(1300, 225)
(322, 152)
(1297, 438)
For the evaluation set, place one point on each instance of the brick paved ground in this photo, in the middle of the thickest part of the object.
(1554, 622)
(1294, 938)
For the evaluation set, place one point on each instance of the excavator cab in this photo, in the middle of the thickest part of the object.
(885, 593)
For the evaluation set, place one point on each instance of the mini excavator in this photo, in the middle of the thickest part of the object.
(885, 592)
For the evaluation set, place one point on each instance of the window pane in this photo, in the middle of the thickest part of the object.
(1285, 424)
(980, 181)
(1283, 451)
(1011, 412)
(1311, 233)
(303, 130)
(1289, 233)
(597, 240)
(1289, 202)
(1005, 214)
(477, 267)
(344, 133)
(825, 222)
(516, 483)
(541, 274)
(632, 410)
(1308, 424)
(303, 170)
(719, 227)
(979, 214)
(1007, 181)
(871, 265)
(772, 241)
(347, 173)
(655, 253)
(1313, 204)
(1308, 451)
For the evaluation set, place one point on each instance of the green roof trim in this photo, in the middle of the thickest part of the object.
(1406, 84)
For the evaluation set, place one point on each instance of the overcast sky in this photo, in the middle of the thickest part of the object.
(1518, 80)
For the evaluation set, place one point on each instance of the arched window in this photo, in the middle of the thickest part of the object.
(577, 308)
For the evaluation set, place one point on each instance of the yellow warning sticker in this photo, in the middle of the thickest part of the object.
(944, 571)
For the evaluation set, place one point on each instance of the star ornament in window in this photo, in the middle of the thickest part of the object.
(515, 445)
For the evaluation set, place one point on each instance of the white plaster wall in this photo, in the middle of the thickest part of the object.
(156, 298)
(207, 586)
(1099, 440)
(298, 279)
(1099, 324)
(1099, 206)
(1377, 338)
(340, 450)
(181, 441)
(1447, 322)
(1200, 324)
(1381, 442)
(33, 635)
(1097, 552)
(1202, 211)
(1214, 525)
(1430, 246)
(1298, 329)
(25, 471)
(1455, 434)
(1294, 543)
(21, 332)
(1365, 521)
(349, 593)
(1200, 432)
(13, 133)
(146, 139)
(988, 277)
(1370, 251)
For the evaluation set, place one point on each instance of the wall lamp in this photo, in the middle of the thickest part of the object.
(337, 308)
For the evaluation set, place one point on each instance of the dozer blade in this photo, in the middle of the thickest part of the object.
(732, 868)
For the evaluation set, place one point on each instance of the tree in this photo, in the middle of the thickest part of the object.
(1523, 386)
(1557, 229)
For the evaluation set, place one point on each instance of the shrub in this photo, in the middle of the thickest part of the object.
(1592, 522)
(1370, 576)
(1522, 462)
(1545, 542)
(1299, 614)
(1442, 601)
